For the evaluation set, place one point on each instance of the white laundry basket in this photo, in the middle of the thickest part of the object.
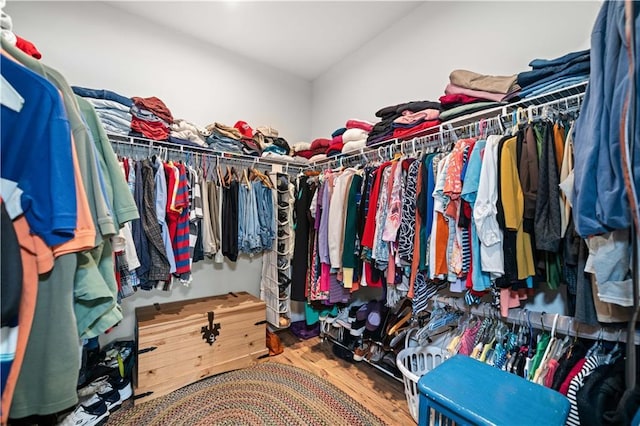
(414, 362)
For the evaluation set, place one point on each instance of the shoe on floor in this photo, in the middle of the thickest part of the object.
(92, 388)
(88, 415)
(114, 391)
(361, 351)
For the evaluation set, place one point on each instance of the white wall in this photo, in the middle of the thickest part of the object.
(95, 45)
(99, 46)
(412, 59)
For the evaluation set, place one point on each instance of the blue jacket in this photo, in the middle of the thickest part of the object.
(600, 201)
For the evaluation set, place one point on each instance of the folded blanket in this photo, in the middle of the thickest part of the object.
(337, 146)
(359, 124)
(190, 136)
(486, 83)
(318, 157)
(403, 132)
(452, 89)
(301, 146)
(395, 110)
(409, 117)
(354, 135)
(354, 145)
(466, 109)
(457, 98)
(307, 153)
(320, 143)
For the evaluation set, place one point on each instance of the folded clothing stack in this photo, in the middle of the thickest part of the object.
(418, 116)
(314, 151)
(183, 130)
(249, 145)
(272, 144)
(112, 108)
(548, 75)
(335, 147)
(224, 138)
(150, 118)
(302, 151)
(469, 92)
(355, 136)
(387, 128)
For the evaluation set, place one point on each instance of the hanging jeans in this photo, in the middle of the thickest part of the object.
(264, 201)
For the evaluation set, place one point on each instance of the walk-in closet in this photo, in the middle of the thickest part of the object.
(319, 213)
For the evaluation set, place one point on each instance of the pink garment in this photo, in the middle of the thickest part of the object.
(452, 89)
(552, 367)
(359, 124)
(457, 99)
(508, 299)
(467, 339)
(409, 117)
(337, 140)
(325, 277)
(394, 206)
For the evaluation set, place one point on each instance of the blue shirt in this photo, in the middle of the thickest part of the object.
(36, 155)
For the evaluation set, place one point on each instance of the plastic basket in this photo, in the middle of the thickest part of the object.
(413, 363)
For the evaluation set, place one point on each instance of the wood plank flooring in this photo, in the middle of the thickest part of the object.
(381, 394)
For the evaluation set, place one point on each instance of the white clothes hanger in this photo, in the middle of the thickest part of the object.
(9, 96)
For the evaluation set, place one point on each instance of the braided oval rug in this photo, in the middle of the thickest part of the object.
(266, 394)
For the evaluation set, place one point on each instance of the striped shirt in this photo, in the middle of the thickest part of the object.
(181, 239)
(576, 384)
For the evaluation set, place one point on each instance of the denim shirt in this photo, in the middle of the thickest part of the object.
(600, 200)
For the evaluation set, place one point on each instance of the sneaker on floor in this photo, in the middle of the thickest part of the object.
(358, 327)
(112, 399)
(332, 319)
(343, 319)
(361, 351)
(92, 388)
(87, 415)
(123, 386)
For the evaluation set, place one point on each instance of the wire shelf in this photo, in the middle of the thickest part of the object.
(148, 147)
(562, 100)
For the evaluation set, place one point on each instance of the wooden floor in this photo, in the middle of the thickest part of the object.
(380, 393)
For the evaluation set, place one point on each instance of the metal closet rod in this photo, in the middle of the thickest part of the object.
(565, 325)
(186, 151)
(444, 134)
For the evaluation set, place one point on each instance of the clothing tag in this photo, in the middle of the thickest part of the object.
(9, 96)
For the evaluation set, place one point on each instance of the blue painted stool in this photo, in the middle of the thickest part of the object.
(469, 392)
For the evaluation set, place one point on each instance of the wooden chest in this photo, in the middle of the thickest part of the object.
(182, 342)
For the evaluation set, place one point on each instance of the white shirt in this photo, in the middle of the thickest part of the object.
(485, 211)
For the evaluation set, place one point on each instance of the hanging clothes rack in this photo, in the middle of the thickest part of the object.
(539, 320)
(128, 145)
(563, 101)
